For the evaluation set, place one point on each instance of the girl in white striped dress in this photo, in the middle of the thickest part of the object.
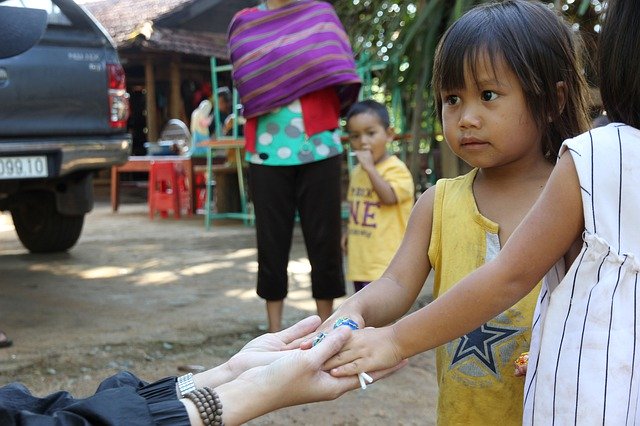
(587, 328)
(586, 339)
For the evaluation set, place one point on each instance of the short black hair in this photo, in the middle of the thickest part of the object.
(370, 106)
(619, 61)
(538, 46)
(225, 93)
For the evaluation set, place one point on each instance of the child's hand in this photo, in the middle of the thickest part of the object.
(365, 158)
(367, 350)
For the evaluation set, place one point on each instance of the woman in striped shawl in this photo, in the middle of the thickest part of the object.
(294, 70)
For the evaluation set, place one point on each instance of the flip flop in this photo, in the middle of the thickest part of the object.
(5, 342)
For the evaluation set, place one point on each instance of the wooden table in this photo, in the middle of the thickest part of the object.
(143, 164)
(237, 145)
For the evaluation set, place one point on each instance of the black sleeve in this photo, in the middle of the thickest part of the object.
(122, 399)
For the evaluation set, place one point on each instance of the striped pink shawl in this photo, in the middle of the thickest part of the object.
(280, 55)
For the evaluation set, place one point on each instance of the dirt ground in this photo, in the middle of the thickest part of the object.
(149, 296)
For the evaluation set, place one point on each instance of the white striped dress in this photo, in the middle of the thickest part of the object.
(585, 339)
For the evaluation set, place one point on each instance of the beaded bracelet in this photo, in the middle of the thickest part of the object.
(208, 404)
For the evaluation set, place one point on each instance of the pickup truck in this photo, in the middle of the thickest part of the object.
(63, 116)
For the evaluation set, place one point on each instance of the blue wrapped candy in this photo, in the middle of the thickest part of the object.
(346, 321)
(319, 338)
(342, 321)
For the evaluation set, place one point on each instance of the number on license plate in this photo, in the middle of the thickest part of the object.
(23, 167)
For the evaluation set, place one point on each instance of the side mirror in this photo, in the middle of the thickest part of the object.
(20, 29)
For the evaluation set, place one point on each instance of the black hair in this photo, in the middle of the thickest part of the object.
(540, 49)
(224, 93)
(370, 106)
(619, 61)
(599, 121)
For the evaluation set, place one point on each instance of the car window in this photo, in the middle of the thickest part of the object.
(55, 15)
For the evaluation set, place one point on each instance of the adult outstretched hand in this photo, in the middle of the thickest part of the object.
(296, 378)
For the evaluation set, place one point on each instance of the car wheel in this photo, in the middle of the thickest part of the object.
(40, 227)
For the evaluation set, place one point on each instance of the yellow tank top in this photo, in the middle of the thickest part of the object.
(475, 373)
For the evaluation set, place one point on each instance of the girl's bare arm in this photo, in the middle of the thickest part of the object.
(544, 236)
(391, 296)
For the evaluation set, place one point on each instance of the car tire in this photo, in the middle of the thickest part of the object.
(41, 228)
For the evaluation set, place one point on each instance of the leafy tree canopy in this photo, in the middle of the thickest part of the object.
(394, 42)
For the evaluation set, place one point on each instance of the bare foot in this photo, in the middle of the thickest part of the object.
(5, 342)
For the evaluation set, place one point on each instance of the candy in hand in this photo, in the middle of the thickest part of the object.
(346, 321)
(319, 338)
(342, 321)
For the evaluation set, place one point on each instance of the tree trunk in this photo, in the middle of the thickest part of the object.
(416, 119)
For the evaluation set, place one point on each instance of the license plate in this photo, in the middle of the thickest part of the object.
(23, 167)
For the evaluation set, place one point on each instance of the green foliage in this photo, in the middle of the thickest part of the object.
(394, 42)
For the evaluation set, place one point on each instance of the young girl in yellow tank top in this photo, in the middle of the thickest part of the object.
(509, 89)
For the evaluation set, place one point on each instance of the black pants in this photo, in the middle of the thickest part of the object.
(314, 191)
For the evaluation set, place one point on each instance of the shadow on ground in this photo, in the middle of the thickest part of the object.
(148, 296)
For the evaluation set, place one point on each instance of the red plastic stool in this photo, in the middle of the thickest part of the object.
(200, 189)
(200, 185)
(168, 190)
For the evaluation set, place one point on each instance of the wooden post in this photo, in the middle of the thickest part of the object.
(449, 161)
(176, 106)
(416, 120)
(152, 113)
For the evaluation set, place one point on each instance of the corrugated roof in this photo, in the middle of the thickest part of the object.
(131, 22)
(123, 17)
(189, 42)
